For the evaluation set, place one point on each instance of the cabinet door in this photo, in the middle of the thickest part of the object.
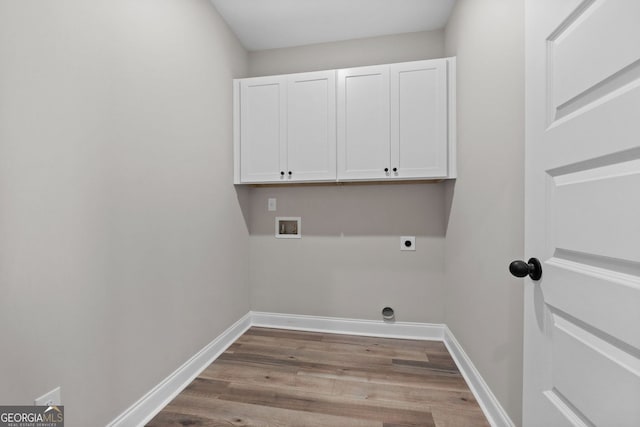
(363, 123)
(262, 129)
(419, 119)
(311, 126)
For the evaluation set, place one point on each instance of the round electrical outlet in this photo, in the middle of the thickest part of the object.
(407, 243)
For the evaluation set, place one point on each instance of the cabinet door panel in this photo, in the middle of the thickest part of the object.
(262, 129)
(311, 126)
(363, 123)
(419, 119)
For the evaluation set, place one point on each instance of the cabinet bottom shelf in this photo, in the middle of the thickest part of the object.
(340, 183)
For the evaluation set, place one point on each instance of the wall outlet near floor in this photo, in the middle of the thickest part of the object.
(48, 399)
(408, 243)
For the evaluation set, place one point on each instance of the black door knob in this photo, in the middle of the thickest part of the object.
(395, 169)
(533, 268)
(386, 169)
(289, 172)
(281, 172)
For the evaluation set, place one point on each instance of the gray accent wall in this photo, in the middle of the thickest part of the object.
(485, 228)
(348, 53)
(123, 245)
(348, 262)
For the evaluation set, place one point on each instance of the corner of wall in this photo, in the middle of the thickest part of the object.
(485, 229)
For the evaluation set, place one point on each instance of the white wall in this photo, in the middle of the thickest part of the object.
(123, 247)
(349, 53)
(486, 222)
(348, 262)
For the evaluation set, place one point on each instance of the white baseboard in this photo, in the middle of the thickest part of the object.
(150, 404)
(492, 409)
(336, 325)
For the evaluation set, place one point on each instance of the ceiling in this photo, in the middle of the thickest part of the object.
(269, 24)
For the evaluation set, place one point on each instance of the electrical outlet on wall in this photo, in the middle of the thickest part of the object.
(51, 398)
(408, 243)
(271, 205)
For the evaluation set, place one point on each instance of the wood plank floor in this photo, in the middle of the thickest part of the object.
(271, 377)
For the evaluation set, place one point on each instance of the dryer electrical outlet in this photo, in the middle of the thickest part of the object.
(408, 243)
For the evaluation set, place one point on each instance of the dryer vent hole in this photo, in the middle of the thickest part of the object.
(388, 314)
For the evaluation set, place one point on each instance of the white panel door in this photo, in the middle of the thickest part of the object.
(311, 126)
(419, 119)
(363, 123)
(582, 319)
(263, 129)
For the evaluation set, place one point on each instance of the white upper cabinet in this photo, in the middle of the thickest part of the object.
(378, 123)
(363, 123)
(262, 129)
(311, 126)
(419, 119)
(287, 129)
(393, 121)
